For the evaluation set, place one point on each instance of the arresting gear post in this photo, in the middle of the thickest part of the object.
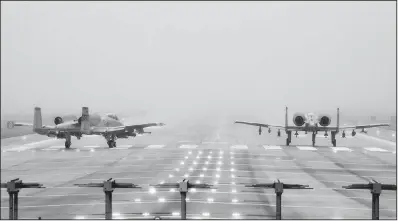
(183, 187)
(13, 188)
(108, 187)
(375, 188)
(278, 186)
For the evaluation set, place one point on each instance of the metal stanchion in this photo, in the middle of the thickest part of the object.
(13, 188)
(183, 187)
(278, 186)
(375, 188)
(108, 187)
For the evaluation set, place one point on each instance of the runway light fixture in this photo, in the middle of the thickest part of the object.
(175, 214)
(194, 162)
(186, 175)
(193, 190)
(232, 176)
(145, 214)
(137, 200)
(234, 191)
(190, 152)
(232, 169)
(190, 169)
(202, 175)
(161, 200)
(205, 214)
(204, 168)
(213, 190)
(182, 163)
(218, 175)
(152, 190)
(235, 214)
(172, 190)
(177, 169)
(218, 169)
(207, 162)
(210, 200)
(198, 181)
(234, 200)
(170, 175)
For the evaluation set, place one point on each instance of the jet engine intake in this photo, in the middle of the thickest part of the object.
(324, 121)
(58, 120)
(299, 119)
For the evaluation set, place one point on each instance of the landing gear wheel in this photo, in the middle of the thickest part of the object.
(313, 143)
(287, 142)
(67, 144)
(334, 142)
(110, 144)
(114, 143)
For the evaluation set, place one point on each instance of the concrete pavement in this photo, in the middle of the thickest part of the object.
(226, 155)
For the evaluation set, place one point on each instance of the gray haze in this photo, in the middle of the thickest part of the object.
(197, 57)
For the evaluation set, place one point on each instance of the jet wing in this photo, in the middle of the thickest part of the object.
(364, 126)
(258, 124)
(12, 124)
(122, 129)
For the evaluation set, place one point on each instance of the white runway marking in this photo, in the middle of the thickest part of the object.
(306, 148)
(375, 149)
(336, 149)
(40, 142)
(272, 147)
(188, 146)
(17, 149)
(214, 142)
(321, 136)
(155, 146)
(94, 146)
(56, 147)
(240, 147)
(125, 146)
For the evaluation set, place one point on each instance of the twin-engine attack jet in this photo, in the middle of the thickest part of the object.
(108, 125)
(311, 123)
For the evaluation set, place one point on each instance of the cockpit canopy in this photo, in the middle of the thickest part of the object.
(113, 116)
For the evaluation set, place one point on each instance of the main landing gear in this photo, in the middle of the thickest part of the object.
(313, 138)
(289, 138)
(333, 138)
(111, 143)
(68, 141)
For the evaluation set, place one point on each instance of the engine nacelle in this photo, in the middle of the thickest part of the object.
(324, 120)
(299, 119)
(58, 120)
(353, 133)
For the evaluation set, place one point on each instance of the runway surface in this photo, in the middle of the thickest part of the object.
(219, 153)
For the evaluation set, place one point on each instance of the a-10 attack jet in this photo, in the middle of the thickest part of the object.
(311, 123)
(108, 125)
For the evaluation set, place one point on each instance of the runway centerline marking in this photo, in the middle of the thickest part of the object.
(336, 149)
(187, 146)
(375, 149)
(155, 146)
(240, 147)
(306, 148)
(267, 147)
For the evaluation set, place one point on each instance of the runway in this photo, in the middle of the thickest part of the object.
(219, 153)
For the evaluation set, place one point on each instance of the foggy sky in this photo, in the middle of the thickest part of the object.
(193, 57)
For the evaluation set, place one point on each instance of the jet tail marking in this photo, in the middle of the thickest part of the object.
(85, 123)
(37, 120)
